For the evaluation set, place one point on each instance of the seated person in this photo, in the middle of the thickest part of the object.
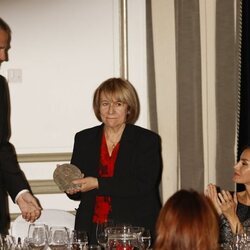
(187, 221)
(234, 210)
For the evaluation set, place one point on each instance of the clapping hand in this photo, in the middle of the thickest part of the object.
(228, 206)
(212, 193)
(225, 204)
(29, 206)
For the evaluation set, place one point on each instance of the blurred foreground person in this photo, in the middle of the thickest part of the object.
(188, 221)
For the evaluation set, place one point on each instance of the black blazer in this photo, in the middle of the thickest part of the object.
(12, 179)
(134, 188)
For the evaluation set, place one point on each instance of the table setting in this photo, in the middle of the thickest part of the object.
(48, 233)
(41, 237)
(109, 236)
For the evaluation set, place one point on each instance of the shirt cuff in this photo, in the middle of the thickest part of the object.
(21, 192)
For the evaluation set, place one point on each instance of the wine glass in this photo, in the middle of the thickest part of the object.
(101, 232)
(78, 240)
(58, 238)
(226, 246)
(239, 241)
(37, 236)
(6, 241)
(145, 239)
(94, 247)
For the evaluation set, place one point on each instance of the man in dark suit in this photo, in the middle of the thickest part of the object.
(12, 179)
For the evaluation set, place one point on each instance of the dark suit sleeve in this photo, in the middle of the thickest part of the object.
(138, 168)
(13, 179)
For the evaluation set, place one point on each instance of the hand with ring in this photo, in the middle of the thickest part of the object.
(228, 205)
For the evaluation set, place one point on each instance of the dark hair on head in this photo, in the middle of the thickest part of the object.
(121, 90)
(243, 148)
(187, 221)
(4, 26)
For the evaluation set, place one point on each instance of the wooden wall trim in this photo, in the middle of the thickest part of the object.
(44, 157)
(13, 216)
(44, 187)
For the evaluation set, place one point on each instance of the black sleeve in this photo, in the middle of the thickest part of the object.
(12, 177)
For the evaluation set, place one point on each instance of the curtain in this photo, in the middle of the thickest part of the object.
(244, 81)
(179, 49)
(225, 91)
(244, 118)
(189, 100)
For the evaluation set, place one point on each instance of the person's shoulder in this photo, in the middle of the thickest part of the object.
(2, 78)
(7, 147)
(89, 131)
(142, 131)
(2, 81)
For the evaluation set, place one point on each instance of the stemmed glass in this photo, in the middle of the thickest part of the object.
(58, 238)
(101, 232)
(6, 241)
(145, 239)
(78, 240)
(239, 241)
(37, 236)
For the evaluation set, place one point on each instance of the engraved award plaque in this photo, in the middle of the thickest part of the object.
(64, 175)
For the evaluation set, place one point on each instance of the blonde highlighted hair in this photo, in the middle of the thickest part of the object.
(120, 90)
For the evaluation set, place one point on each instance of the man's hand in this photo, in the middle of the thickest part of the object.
(29, 206)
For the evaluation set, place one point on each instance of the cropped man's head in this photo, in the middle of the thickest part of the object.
(5, 36)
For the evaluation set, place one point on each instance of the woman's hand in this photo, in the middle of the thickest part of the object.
(211, 192)
(228, 206)
(225, 204)
(83, 185)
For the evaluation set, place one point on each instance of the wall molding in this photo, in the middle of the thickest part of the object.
(44, 187)
(44, 157)
(13, 216)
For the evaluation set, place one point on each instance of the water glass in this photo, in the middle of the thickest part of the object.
(247, 235)
(102, 234)
(94, 247)
(145, 239)
(37, 236)
(125, 238)
(78, 240)
(239, 242)
(226, 246)
(6, 241)
(58, 238)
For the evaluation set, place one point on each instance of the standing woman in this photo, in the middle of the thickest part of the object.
(121, 163)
